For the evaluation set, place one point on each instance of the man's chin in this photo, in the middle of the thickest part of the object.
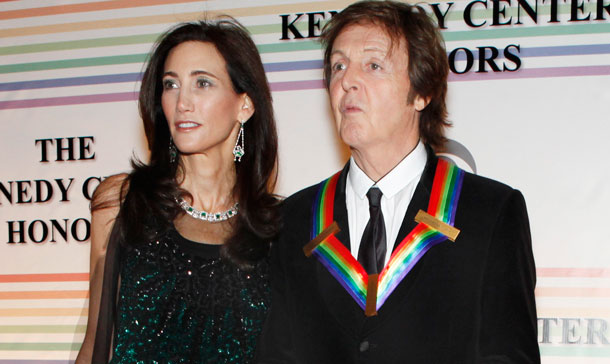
(354, 134)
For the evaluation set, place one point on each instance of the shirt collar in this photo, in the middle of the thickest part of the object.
(409, 168)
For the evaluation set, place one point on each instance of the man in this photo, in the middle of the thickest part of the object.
(365, 270)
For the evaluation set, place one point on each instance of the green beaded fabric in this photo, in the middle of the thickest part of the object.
(179, 302)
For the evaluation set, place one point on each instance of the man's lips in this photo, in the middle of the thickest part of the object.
(348, 109)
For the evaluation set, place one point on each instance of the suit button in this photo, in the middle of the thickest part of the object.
(364, 346)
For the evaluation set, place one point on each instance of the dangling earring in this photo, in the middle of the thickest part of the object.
(173, 151)
(238, 150)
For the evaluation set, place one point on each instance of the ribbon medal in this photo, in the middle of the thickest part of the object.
(434, 226)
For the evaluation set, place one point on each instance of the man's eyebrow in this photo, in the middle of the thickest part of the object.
(335, 52)
(367, 49)
(376, 49)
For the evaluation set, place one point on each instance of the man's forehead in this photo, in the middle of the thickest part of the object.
(368, 36)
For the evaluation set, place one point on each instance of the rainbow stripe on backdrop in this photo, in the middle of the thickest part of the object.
(42, 317)
(138, 13)
(555, 294)
(347, 270)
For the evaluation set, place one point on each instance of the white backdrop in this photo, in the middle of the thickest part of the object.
(69, 69)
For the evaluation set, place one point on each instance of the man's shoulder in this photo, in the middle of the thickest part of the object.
(304, 196)
(484, 191)
(298, 207)
(486, 184)
(296, 219)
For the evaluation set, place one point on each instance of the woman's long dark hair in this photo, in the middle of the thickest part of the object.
(149, 206)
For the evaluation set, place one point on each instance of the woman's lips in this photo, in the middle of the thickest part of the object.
(187, 125)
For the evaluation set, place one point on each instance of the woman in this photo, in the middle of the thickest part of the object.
(187, 235)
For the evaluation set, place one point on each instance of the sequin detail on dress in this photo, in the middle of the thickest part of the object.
(179, 302)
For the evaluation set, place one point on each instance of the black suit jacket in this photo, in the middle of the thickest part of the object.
(468, 301)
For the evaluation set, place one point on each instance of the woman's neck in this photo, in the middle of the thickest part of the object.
(210, 182)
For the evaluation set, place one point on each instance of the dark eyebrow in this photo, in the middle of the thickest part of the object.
(193, 73)
(201, 72)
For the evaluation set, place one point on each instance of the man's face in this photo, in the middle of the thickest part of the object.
(369, 87)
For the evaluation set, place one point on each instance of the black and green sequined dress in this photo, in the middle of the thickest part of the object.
(179, 302)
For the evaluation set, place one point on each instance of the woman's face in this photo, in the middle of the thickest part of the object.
(201, 108)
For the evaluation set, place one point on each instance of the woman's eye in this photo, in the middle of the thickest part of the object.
(375, 66)
(169, 84)
(203, 83)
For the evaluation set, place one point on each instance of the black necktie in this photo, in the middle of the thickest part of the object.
(371, 253)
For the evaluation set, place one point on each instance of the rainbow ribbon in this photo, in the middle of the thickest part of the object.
(348, 271)
(330, 251)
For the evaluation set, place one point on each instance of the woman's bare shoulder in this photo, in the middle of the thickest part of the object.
(110, 192)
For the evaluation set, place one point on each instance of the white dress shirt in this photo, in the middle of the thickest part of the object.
(397, 187)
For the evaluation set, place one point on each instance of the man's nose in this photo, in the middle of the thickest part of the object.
(351, 79)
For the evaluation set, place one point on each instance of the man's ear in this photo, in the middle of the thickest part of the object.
(246, 109)
(420, 103)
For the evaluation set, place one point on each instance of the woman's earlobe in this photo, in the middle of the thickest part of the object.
(247, 108)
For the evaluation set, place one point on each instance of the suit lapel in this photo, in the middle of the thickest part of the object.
(340, 211)
(338, 301)
(420, 198)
